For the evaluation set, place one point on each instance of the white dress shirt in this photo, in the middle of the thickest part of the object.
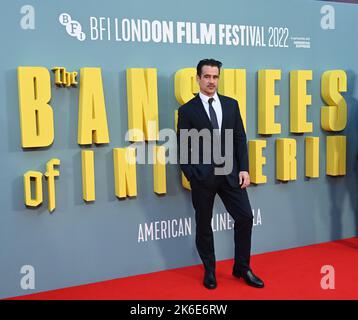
(216, 105)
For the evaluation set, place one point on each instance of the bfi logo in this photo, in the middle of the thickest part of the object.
(73, 27)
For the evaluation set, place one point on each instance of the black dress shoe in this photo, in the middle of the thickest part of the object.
(249, 278)
(210, 280)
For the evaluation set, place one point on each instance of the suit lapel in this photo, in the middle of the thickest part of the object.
(224, 113)
(199, 108)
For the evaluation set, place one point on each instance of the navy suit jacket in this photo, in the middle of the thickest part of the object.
(192, 115)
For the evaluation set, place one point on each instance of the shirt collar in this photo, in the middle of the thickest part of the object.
(206, 98)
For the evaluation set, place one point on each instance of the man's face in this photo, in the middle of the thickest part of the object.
(208, 81)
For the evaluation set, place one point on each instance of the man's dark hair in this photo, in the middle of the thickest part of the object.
(207, 62)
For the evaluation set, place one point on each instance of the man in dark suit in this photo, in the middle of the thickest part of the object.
(210, 112)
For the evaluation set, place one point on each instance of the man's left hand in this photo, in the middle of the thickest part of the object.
(244, 179)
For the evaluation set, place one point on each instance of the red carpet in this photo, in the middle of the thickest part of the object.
(288, 274)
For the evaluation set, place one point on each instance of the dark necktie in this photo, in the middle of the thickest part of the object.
(213, 118)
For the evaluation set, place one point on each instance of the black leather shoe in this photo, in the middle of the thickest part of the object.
(249, 278)
(210, 280)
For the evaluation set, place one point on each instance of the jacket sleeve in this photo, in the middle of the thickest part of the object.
(184, 147)
(240, 143)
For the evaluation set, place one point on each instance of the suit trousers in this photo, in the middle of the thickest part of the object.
(237, 204)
